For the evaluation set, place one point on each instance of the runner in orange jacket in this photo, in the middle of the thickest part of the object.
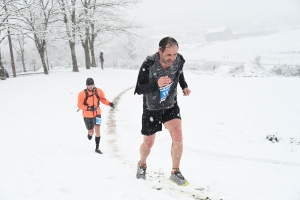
(89, 101)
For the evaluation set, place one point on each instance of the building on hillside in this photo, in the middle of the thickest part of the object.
(216, 34)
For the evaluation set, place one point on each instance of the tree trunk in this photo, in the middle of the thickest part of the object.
(73, 55)
(23, 62)
(11, 54)
(93, 54)
(41, 49)
(48, 67)
(85, 43)
(42, 56)
(85, 46)
(10, 46)
(71, 33)
(22, 51)
(92, 45)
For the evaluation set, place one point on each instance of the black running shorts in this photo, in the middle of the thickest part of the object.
(152, 120)
(90, 122)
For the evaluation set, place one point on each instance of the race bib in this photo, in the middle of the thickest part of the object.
(164, 92)
(98, 120)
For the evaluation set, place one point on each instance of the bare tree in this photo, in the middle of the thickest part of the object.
(85, 21)
(12, 60)
(36, 18)
(3, 18)
(113, 21)
(103, 18)
(69, 17)
(8, 15)
(18, 45)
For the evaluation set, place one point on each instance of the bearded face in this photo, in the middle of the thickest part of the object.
(168, 57)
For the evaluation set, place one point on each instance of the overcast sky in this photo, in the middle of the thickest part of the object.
(203, 14)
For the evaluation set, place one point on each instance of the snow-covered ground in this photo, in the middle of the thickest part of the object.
(277, 49)
(45, 153)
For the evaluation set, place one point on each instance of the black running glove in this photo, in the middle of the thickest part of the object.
(112, 104)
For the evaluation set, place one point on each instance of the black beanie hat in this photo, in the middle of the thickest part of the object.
(89, 81)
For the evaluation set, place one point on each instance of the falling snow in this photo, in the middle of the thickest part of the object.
(151, 119)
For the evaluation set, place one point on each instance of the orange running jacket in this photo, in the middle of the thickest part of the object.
(92, 100)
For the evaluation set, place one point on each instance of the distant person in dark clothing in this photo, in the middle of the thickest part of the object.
(101, 59)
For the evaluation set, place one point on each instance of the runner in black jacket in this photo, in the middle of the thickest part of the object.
(158, 78)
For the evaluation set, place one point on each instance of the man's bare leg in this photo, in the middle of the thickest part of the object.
(174, 127)
(97, 130)
(90, 133)
(145, 147)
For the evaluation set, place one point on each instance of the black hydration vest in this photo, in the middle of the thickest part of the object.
(87, 96)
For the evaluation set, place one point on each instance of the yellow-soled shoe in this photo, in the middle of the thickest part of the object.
(178, 178)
